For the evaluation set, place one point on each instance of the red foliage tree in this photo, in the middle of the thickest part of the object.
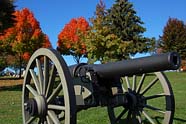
(25, 36)
(71, 38)
(174, 37)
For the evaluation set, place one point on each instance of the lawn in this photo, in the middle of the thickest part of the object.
(10, 104)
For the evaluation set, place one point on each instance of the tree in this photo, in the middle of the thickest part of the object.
(2, 64)
(174, 37)
(24, 37)
(101, 44)
(6, 20)
(115, 33)
(6, 14)
(29, 35)
(125, 24)
(71, 38)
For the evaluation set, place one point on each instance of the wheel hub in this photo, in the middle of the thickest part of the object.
(36, 106)
(135, 101)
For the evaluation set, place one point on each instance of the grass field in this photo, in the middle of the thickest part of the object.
(10, 104)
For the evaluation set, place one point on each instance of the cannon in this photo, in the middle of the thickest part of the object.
(133, 91)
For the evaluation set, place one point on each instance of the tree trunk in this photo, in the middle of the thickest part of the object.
(20, 65)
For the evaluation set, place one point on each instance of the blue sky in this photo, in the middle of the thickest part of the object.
(54, 14)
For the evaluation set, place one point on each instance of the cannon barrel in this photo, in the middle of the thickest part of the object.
(159, 62)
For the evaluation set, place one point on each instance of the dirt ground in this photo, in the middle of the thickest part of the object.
(8, 82)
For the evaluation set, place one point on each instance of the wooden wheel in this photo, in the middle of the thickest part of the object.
(48, 95)
(150, 101)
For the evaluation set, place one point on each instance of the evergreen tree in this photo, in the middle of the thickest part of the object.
(6, 14)
(116, 33)
(101, 44)
(6, 20)
(125, 24)
(174, 37)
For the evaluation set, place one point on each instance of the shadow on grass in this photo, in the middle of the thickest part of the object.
(174, 119)
(158, 120)
(179, 119)
(11, 88)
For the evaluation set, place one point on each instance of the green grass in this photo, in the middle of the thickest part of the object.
(10, 104)
(178, 83)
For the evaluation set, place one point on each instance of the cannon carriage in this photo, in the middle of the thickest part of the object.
(53, 93)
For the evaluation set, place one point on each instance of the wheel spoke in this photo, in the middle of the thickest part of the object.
(148, 117)
(141, 83)
(155, 96)
(61, 116)
(144, 93)
(134, 118)
(47, 81)
(30, 120)
(49, 121)
(138, 116)
(154, 108)
(35, 79)
(123, 88)
(51, 80)
(129, 116)
(53, 117)
(40, 73)
(54, 93)
(39, 121)
(134, 83)
(139, 119)
(127, 81)
(149, 86)
(32, 90)
(121, 114)
(56, 107)
(46, 73)
(42, 121)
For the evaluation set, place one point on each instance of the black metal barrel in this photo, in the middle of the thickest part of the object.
(159, 62)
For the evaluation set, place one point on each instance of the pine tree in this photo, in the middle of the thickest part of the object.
(6, 20)
(115, 33)
(125, 24)
(100, 43)
(6, 14)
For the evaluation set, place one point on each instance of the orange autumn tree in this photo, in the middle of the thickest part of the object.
(29, 36)
(25, 36)
(71, 38)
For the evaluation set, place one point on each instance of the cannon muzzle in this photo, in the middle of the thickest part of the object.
(159, 62)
